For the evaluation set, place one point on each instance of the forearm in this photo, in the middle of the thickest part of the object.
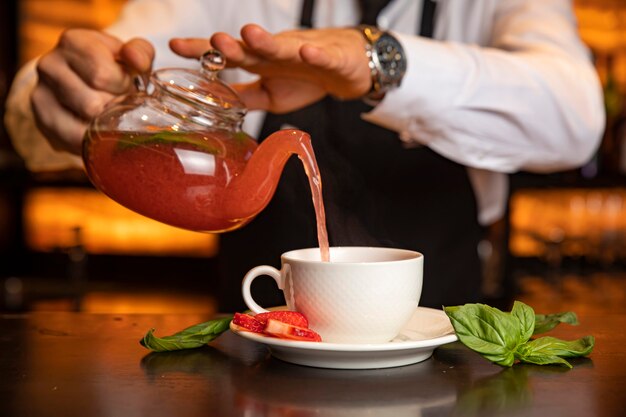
(531, 101)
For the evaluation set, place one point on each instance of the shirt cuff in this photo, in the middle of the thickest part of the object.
(425, 91)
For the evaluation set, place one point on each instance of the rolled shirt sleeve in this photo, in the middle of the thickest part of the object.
(530, 100)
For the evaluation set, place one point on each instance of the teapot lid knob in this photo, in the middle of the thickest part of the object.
(212, 61)
(202, 88)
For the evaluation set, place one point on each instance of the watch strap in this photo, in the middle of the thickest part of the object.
(378, 88)
(371, 35)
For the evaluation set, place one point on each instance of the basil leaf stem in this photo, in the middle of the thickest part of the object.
(189, 338)
(553, 350)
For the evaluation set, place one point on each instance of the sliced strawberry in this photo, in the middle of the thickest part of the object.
(248, 322)
(289, 331)
(289, 317)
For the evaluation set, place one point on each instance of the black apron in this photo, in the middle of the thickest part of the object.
(376, 192)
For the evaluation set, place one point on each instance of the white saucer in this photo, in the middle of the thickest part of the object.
(427, 329)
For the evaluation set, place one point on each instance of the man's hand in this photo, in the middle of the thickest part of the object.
(296, 68)
(78, 77)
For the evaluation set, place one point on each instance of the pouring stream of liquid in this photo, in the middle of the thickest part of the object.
(267, 163)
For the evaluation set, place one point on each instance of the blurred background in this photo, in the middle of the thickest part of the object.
(65, 246)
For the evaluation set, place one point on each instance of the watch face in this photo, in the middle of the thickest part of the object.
(391, 59)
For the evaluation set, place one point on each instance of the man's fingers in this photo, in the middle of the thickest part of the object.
(235, 52)
(138, 55)
(259, 40)
(57, 78)
(94, 57)
(316, 57)
(62, 128)
(190, 47)
(273, 47)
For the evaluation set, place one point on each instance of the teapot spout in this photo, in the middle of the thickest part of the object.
(251, 191)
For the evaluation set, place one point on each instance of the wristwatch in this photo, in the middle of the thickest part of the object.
(387, 62)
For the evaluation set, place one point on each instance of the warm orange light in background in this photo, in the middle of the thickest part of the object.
(53, 215)
(601, 24)
(147, 303)
(42, 21)
(581, 222)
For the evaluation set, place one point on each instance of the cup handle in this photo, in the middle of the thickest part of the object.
(247, 282)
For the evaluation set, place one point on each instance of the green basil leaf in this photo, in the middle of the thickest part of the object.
(503, 338)
(189, 338)
(546, 360)
(129, 141)
(486, 330)
(526, 317)
(551, 346)
(546, 322)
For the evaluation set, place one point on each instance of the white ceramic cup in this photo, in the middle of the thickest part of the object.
(364, 295)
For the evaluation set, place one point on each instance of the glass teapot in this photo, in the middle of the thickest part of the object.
(177, 154)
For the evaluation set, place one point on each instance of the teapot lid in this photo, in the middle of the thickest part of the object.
(202, 87)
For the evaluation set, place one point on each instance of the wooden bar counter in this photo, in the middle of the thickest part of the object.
(78, 364)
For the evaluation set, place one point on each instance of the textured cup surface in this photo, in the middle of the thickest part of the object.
(364, 295)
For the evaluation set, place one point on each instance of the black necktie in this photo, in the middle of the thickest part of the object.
(427, 25)
(370, 10)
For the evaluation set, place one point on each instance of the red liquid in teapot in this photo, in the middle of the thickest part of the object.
(201, 182)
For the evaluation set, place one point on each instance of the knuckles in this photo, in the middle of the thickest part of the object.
(44, 65)
(71, 39)
(100, 77)
(95, 66)
(93, 106)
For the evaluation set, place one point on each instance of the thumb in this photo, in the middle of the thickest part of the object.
(138, 55)
(253, 95)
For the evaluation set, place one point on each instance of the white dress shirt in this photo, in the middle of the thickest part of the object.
(505, 86)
